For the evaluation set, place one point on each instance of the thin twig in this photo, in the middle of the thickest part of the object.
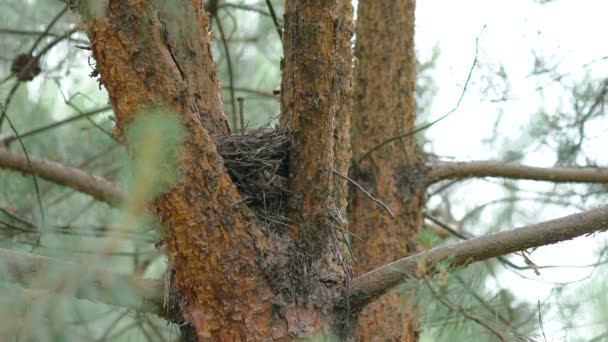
(37, 33)
(458, 308)
(274, 18)
(29, 162)
(73, 106)
(255, 92)
(365, 192)
(230, 71)
(241, 114)
(422, 128)
(9, 138)
(540, 320)
(28, 66)
(47, 29)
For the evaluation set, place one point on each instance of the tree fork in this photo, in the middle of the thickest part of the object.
(240, 280)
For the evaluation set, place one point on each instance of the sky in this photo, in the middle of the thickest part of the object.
(567, 32)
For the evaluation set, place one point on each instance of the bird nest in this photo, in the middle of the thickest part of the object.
(258, 164)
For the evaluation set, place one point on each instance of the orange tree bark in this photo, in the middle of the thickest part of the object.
(316, 107)
(153, 55)
(240, 279)
(384, 106)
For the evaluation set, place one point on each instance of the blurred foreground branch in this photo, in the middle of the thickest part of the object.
(42, 273)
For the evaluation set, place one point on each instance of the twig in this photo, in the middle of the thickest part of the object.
(241, 114)
(7, 139)
(47, 29)
(540, 320)
(29, 65)
(461, 310)
(529, 262)
(29, 163)
(365, 192)
(73, 106)
(274, 18)
(406, 134)
(36, 33)
(230, 71)
(255, 92)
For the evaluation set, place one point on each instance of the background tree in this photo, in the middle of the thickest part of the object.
(255, 226)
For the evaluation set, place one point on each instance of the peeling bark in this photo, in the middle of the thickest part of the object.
(384, 106)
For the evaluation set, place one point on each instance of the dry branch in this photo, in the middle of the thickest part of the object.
(373, 284)
(98, 187)
(460, 170)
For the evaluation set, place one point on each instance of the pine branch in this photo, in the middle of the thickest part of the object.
(100, 286)
(460, 170)
(98, 187)
(369, 286)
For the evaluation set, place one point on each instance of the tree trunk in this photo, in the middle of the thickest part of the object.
(315, 104)
(241, 279)
(148, 55)
(384, 106)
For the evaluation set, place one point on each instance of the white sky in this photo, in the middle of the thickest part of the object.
(571, 32)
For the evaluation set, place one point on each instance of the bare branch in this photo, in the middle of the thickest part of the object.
(460, 170)
(100, 286)
(98, 187)
(369, 286)
(274, 19)
(6, 139)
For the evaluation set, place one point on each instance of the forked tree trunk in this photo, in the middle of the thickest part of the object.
(384, 106)
(241, 279)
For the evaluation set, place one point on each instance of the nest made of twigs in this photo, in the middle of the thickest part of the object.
(258, 163)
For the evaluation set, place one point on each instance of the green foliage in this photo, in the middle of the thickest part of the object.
(427, 238)
(454, 301)
(154, 140)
